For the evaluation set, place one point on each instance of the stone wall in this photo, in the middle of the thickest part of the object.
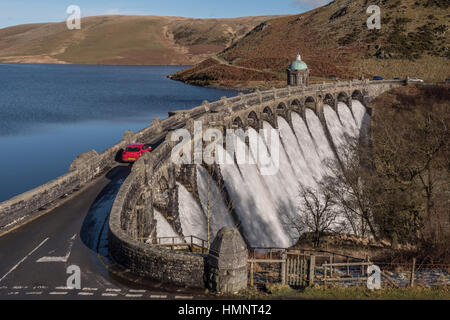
(143, 259)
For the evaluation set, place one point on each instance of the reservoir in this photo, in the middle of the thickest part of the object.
(49, 114)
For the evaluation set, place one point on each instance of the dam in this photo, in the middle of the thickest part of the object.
(264, 204)
(161, 199)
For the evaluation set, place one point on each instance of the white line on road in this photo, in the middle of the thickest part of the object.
(184, 297)
(19, 287)
(85, 293)
(110, 294)
(136, 291)
(34, 293)
(133, 295)
(13, 293)
(63, 288)
(90, 289)
(60, 259)
(158, 297)
(32, 251)
(113, 290)
(58, 293)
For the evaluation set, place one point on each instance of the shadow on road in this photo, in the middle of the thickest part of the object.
(95, 228)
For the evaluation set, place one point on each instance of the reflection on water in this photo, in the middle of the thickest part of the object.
(51, 113)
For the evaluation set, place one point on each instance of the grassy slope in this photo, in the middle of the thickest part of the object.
(123, 40)
(334, 40)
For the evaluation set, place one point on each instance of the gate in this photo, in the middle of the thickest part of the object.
(296, 269)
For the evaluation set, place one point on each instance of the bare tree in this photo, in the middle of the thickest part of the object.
(315, 213)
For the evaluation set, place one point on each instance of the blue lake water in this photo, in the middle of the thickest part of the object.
(49, 114)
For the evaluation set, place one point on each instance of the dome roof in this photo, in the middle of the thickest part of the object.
(298, 64)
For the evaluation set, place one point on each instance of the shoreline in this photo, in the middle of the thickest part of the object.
(217, 87)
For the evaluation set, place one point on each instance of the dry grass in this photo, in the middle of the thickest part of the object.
(142, 40)
(428, 68)
(334, 40)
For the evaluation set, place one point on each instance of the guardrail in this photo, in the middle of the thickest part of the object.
(191, 243)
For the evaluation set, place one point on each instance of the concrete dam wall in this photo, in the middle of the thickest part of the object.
(161, 198)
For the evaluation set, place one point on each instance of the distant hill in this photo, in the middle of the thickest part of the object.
(124, 40)
(334, 41)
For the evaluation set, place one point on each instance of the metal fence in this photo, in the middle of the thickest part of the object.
(182, 243)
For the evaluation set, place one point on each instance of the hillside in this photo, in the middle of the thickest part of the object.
(124, 40)
(334, 40)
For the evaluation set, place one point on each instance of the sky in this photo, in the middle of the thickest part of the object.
(14, 12)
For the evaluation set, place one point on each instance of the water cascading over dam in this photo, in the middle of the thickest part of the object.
(264, 203)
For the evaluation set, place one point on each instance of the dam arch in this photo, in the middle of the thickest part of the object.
(253, 120)
(269, 116)
(330, 100)
(358, 95)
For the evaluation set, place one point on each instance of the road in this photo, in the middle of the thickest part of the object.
(34, 258)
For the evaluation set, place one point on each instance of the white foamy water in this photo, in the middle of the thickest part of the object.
(193, 221)
(263, 204)
(350, 126)
(334, 126)
(297, 161)
(321, 142)
(359, 112)
(212, 202)
(307, 147)
(163, 228)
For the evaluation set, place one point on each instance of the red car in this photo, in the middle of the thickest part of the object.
(133, 151)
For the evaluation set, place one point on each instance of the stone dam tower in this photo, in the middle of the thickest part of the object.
(298, 73)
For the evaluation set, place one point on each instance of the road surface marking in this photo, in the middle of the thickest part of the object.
(113, 290)
(13, 293)
(63, 288)
(4, 287)
(110, 294)
(136, 291)
(133, 295)
(58, 293)
(19, 287)
(39, 287)
(60, 259)
(184, 297)
(34, 293)
(158, 297)
(32, 251)
(85, 293)
(90, 289)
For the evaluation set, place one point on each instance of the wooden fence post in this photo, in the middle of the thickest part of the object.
(413, 269)
(348, 268)
(251, 273)
(312, 267)
(283, 269)
(331, 267)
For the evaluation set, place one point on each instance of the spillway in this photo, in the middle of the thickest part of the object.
(264, 205)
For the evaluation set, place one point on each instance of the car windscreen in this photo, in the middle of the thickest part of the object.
(133, 150)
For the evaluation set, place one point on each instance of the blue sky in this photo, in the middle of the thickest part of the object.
(14, 12)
